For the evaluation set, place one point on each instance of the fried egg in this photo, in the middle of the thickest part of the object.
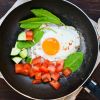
(58, 42)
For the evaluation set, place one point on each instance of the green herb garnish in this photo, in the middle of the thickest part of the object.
(31, 25)
(42, 17)
(24, 44)
(28, 59)
(74, 61)
(38, 35)
(47, 14)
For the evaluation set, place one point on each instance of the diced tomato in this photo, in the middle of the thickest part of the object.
(35, 69)
(59, 69)
(29, 35)
(59, 66)
(46, 77)
(19, 68)
(32, 73)
(60, 62)
(37, 60)
(23, 69)
(36, 81)
(55, 84)
(46, 80)
(44, 69)
(67, 72)
(38, 76)
(38, 65)
(52, 68)
(26, 69)
(27, 66)
(55, 76)
(46, 63)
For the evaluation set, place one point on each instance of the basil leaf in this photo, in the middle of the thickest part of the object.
(38, 35)
(24, 44)
(74, 61)
(45, 13)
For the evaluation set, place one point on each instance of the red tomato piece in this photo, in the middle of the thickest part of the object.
(27, 66)
(23, 69)
(26, 69)
(19, 68)
(44, 69)
(55, 76)
(46, 63)
(46, 80)
(38, 76)
(29, 35)
(67, 72)
(52, 68)
(55, 84)
(60, 62)
(59, 66)
(36, 81)
(46, 77)
(38, 65)
(35, 69)
(32, 73)
(37, 60)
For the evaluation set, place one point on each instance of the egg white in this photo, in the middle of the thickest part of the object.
(67, 36)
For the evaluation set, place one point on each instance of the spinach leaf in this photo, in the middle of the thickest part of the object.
(24, 44)
(34, 19)
(28, 59)
(42, 17)
(45, 13)
(74, 61)
(42, 20)
(38, 35)
(30, 25)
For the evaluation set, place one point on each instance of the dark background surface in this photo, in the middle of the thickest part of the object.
(92, 8)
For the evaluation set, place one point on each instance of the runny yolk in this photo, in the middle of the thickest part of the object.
(51, 46)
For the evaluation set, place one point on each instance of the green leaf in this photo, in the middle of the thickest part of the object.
(74, 61)
(45, 13)
(28, 59)
(30, 25)
(38, 35)
(32, 20)
(42, 17)
(24, 44)
(42, 20)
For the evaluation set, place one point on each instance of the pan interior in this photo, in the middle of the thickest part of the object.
(70, 16)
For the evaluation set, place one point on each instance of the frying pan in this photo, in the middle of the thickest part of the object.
(70, 15)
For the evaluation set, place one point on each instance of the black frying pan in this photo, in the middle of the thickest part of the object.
(70, 15)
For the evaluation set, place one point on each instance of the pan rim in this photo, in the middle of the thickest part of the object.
(84, 80)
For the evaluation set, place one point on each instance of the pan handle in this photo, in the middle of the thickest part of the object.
(92, 87)
(1, 76)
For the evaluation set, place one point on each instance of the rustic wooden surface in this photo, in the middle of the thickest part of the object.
(92, 8)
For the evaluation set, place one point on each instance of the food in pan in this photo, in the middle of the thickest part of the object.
(47, 49)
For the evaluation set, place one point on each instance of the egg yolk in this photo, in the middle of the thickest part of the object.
(51, 46)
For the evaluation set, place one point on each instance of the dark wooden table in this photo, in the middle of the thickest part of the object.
(92, 8)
